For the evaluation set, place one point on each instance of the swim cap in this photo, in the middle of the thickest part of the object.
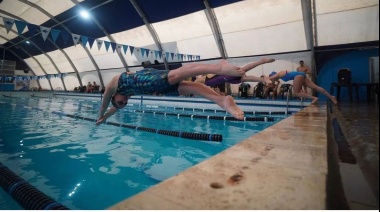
(273, 73)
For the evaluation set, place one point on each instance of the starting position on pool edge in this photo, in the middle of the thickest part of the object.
(171, 83)
(149, 81)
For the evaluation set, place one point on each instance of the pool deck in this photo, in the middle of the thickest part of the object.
(283, 167)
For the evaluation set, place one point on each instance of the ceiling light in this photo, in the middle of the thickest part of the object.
(85, 14)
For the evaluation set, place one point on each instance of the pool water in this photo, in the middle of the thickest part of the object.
(89, 167)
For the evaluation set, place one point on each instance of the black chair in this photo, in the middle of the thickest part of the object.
(258, 90)
(344, 80)
(288, 89)
(344, 76)
(243, 89)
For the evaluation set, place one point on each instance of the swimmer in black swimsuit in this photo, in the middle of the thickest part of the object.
(147, 81)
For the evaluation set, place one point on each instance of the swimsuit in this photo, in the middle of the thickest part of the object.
(291, 75)
(219, 79)
(146, 81)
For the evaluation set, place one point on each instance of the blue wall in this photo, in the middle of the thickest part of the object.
(357, 61)
(7, 87)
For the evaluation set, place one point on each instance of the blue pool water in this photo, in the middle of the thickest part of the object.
(84, 166)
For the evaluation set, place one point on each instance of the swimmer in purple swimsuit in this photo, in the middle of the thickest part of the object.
(147, 81)
(217, 80)
(299, 80)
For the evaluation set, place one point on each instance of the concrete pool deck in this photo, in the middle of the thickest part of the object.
(282, 167)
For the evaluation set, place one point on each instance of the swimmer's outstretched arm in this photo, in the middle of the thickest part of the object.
(109, 91)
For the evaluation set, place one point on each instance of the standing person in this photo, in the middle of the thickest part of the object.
(148, 81)
(305, 69)
(299, 80)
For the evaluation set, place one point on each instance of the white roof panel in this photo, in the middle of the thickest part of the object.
(356, 25)
(255, 27)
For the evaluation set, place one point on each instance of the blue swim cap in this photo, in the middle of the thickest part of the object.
(273, 73)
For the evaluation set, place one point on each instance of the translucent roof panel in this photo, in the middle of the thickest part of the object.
(71, 81)
(34, 66)
(61, 61)
(55, 7)
(46, 64)
(80, 58)
(45, 84)
(189, 34)
(2, 40)
(255, 27)
(347, 21)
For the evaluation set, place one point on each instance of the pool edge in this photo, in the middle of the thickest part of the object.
(282, 167)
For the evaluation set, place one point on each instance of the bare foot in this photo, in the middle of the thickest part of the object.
(315, 100)
(267, 80)
(267, 60)
(230, 70)
(230, 106)
(334, 100)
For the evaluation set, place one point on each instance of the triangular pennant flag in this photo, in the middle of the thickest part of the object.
(155, 53)
(20, 25)
(65, 36)
(160, 54)
(113, 45)
(131, 48)
(76, 38)
(44, 32)
(91, 42)
(32, 29)
(125, 48)
(107, 43)
(99, 43)
(8, 23)
(54, 34)
(178, 57)
(142, 52)
(167, 55)
(118, 48)
(172, 55)
(147, 52)
(84, 40)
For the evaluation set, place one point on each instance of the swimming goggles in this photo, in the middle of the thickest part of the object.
(118, 104)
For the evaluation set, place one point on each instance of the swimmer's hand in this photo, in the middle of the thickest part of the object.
(100, 120)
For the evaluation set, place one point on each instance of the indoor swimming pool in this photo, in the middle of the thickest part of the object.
(84, 166)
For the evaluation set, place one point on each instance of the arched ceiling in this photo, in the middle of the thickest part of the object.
(205, 28)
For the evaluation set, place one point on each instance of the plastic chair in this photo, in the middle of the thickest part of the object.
(258, 90)
(286, 88)
(243, 89)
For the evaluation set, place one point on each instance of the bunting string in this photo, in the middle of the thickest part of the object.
(65, 36)
(28, 78)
